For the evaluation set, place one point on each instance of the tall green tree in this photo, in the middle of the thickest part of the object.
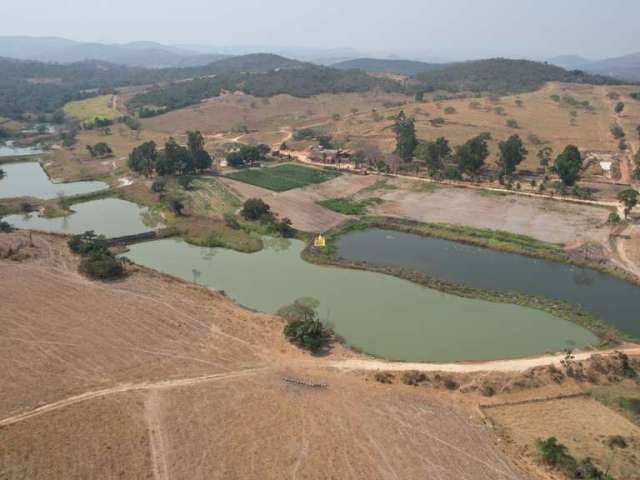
(471, 155)
(179, 157)
(195, 142)
(142, 158)
(512, 153)
(202, 160)
(628, 198)
(568, 165)
(406, 140)
(434, 153)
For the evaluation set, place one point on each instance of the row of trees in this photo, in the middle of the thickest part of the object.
(470, 157)
(175, 159)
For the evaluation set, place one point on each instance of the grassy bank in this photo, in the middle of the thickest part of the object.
(502, 241)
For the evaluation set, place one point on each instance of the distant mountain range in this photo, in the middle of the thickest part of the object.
(626, 67)
(134, 54)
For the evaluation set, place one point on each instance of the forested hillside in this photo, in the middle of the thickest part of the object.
(501, 76)
(298, 82)
(37, 87)
(401, 67)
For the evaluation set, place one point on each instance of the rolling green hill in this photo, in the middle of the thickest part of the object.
(401, 67)
(502, 76)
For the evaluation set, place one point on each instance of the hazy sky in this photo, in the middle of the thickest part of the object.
(445, 28)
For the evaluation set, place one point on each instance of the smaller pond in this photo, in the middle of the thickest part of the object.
(28, 179)
(613, 300)
(110, 217)
(9, 149)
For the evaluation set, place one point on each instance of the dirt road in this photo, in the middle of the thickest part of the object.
(515, 365)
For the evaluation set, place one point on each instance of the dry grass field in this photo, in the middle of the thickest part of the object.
(153, 378)
(351, 117)
(538, 115)
(227, 112)
(76, 163)
(582, 424)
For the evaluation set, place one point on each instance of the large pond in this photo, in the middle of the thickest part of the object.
(28, 179)
(381, 314)
(110, 217)
(613, 300)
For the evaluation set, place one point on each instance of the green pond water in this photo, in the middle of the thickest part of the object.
(110, 217)
(381, 314)
(28, 179)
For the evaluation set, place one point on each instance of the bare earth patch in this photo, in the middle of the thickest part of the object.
(547, 220)
(299, 205)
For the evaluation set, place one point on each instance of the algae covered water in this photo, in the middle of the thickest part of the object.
(380, 314)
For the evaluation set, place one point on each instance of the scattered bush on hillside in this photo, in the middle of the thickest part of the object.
(100, 150)
(617, 131)
(97, 261)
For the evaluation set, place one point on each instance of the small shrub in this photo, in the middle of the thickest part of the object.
(414, 378)
(255, 209)
(614, 218)
(617, 441)
(617, 132)
(512, 123)
(450, 110)
(384, 377)
(101, 265)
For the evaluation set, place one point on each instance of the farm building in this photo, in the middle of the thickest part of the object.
(328, 156)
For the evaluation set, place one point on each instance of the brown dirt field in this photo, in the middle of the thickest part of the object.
(547, 220)
(150, 377)
(105, 438)
(299, 205)
(88, 335)
(582, 424)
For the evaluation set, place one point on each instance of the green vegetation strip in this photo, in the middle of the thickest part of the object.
(283, 177)
(498, 240)
(349, 206)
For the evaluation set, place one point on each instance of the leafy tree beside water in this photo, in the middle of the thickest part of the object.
(303, 327)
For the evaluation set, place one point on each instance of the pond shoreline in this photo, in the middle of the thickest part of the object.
(607, 333)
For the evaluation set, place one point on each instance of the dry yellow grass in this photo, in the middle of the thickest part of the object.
(539, 115)
(76, 163)
(582, 424)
